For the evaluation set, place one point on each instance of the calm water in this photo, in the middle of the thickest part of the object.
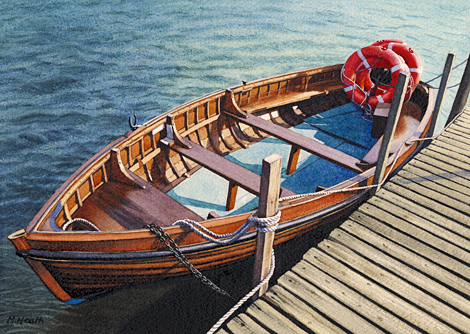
(72, 72)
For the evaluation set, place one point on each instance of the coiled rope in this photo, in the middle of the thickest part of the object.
(79, 220)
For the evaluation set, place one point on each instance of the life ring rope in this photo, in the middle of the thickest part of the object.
(352, 87)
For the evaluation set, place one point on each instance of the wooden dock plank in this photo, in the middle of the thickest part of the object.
(411, 243)
(270, 317)
(465, 114)
(440, 176)
(377, 315)
(223, 332)
(453, 158)
(436, 175)
(375, 292)
(444, 195)
(458, 144)
(416, 232)
(296, 308)
(244, 324)
(460, 128)
(337, 312)
(409, 257)
(458, 172)
(462, 122)
(450, 188)
(448, 147)
(411, 218)
(454, 134)
(428, 215)
(403, 270)
(428, 202)
(406, 291)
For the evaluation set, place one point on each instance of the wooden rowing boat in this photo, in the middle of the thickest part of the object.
(134, 181)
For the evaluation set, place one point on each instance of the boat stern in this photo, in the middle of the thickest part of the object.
(19, 240)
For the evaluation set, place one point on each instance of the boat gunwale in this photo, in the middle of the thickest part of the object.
(198, 247)
(33, 232)
(130, 138)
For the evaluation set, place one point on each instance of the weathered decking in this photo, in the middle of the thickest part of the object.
(400, 263)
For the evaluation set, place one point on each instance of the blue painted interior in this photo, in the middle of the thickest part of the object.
(205, 191)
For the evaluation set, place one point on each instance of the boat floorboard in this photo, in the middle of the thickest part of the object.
(398, 264)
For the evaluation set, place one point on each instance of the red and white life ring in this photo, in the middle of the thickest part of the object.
(364, 59)
(410, 57)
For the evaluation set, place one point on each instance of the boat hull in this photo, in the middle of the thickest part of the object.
(75, 265)
(85, 274)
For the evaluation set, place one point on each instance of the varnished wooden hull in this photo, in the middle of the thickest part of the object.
(77, 264)
(85, 274)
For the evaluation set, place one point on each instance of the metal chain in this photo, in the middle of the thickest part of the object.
(173, 247)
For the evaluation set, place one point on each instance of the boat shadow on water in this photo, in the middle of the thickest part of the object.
(179, 304)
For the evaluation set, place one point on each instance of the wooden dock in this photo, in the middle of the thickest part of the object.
(399, 264)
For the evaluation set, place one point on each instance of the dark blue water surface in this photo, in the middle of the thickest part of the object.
(72, 72)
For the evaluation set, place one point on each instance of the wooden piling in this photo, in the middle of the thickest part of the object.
(394, 113)
(268, 206)
(462, 94)
(441, 93)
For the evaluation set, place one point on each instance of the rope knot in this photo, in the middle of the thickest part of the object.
(268, 224)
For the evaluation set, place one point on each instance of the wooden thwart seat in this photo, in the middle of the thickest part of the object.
(133, 208)
(237, 175)
(133, 202)
(299, 142)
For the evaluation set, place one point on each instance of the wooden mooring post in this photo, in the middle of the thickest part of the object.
(394, 113)
(462, 94)
(268, 206)
(441, 93)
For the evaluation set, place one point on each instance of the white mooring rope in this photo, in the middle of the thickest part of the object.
(244, 299)
(263, 225)
(268, 224)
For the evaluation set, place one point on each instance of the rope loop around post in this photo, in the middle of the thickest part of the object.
(268, 224)
(260, 224)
